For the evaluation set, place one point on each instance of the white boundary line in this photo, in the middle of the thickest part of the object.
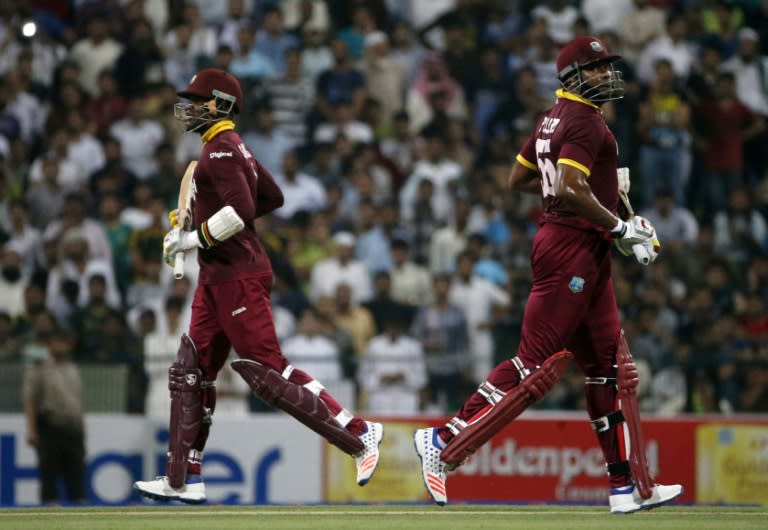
(151, 512)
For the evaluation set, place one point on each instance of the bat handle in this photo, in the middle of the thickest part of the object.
(178, 265)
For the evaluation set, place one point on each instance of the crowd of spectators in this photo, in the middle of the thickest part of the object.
(401, 262)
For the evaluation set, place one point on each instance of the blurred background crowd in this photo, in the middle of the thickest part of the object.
(401, 262)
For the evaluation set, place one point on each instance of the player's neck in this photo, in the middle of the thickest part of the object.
(216, 128)
(564, 94)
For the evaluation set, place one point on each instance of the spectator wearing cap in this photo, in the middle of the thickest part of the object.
(327, 274)
(384, 75)
(751, 71)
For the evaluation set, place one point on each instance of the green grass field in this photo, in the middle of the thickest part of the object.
(425, 517)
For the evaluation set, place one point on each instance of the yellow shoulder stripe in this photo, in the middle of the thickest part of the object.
(581, 167)
(524, 162)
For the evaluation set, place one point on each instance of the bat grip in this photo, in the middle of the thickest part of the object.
(178, 265)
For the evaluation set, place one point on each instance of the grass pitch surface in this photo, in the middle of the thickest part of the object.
(425, 517)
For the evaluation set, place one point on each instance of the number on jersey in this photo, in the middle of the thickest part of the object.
(546, 168)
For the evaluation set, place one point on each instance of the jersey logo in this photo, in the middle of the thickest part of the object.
(238, 311)
(576, 285)
(221, 154)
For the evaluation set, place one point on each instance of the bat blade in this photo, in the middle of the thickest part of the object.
(185, 214)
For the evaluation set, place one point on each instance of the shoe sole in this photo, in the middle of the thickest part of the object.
(166, 498)
(650, 506)
(421, 460)
(378, 445)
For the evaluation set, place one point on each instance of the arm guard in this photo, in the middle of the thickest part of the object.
(220, 226)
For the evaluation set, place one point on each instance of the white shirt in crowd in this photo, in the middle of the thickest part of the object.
(317, 355)
(441, 174)
(139, 142)
(386, 358)
(477, 299)
(92, 59)
(329, 273)
(749, 87)
(304, 193)
(411, 284)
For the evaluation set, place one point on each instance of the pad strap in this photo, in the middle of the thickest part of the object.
(618, 468)
(491, 394)
(606, 422)
(600, 381)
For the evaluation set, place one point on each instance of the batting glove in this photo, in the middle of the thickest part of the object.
(629, 233)
(176, 241)
(647, 251)
(173, 218)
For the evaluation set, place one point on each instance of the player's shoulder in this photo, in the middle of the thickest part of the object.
(227, 145)
(576, 117)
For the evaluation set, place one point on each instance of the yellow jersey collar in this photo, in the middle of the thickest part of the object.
(216, 128)
(573, 97)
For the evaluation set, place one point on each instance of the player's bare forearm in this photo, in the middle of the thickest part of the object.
(572, 188)
(523, 179)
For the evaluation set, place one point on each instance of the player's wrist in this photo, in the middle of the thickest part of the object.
(620, 229)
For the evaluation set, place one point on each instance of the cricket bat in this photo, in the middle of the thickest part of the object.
(185, 214)
(623, 177)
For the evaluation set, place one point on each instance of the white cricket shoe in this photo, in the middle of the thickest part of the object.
(193, 492)
(628, 500)
(368, 459)
(433, 470)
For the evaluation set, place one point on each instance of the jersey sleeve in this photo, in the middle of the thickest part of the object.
(527, 154)
(269, 196)
(581, 144)
(234, 179)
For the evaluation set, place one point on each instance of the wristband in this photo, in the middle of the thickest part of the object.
(620, 229)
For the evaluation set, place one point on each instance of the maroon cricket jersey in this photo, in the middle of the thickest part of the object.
(227, 174)
(573, 132)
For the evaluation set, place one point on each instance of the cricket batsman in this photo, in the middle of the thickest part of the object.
(231, 306)
(570, 159)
